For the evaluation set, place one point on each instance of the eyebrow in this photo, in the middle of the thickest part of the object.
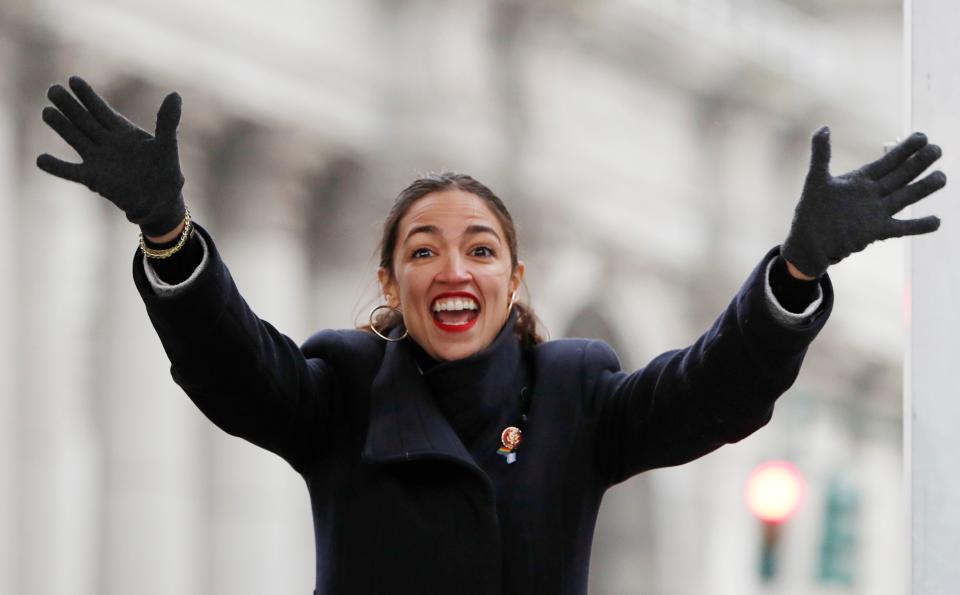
(434, 230)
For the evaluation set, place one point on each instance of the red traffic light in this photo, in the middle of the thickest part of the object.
(774, 491)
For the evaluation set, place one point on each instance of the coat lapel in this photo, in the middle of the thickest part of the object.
(405, 423)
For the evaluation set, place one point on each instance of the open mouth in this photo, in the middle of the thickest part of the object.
(455, 312)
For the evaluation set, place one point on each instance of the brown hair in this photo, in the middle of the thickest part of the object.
(527, 325)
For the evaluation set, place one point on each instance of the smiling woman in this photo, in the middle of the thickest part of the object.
(449, 268)
(446, 447)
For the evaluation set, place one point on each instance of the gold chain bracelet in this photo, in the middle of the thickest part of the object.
(168, 252)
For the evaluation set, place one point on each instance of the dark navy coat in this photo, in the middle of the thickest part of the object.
(407, 490)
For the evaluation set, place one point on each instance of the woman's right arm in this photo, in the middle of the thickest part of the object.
(248, 378)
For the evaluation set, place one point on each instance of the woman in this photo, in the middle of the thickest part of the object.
(446, 447)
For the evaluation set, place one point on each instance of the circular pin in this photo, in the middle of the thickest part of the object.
(510, 437)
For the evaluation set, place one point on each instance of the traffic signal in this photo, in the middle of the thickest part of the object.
(774, 491)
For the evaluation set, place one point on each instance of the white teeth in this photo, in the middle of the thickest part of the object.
(455, 304)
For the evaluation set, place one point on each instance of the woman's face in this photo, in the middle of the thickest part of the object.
(452, 275)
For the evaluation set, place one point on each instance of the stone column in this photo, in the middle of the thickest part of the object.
(58, 224)
(9, 393)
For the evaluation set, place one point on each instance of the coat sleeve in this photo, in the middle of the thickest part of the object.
(248, 378)
(688, 402)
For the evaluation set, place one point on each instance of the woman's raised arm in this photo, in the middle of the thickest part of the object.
(688, 402)
(248, 378)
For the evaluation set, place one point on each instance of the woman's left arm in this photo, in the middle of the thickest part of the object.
(688, 402)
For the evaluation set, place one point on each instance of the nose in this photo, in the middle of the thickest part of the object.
(454, 270)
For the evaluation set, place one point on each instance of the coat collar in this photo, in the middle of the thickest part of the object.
(405, 421)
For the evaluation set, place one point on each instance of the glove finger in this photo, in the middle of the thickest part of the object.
(67, 131)
(105, 115)
(168, 118)
(897, 228)
(913, 167)
(895, 156)
(72, 109)
(904, 197)
(61, 169)
(820, 152)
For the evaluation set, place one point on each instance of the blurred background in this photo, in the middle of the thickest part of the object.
(651, 150)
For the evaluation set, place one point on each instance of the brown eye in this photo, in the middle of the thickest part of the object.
(482, 251)
(421, 253)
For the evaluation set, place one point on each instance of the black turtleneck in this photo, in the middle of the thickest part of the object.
(480, 394)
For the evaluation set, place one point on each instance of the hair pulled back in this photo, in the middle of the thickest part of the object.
(527, 325)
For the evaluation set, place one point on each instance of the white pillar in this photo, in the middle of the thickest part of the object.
(152, 488)
(8, 340)
(58, 449)
(932, 400)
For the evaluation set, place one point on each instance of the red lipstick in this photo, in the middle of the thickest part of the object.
(455, 327)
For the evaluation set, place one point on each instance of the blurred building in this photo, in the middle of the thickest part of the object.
(651, 151)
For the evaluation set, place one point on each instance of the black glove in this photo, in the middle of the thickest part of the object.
(837, 216)
(137, 171)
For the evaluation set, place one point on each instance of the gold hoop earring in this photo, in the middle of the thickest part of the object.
(381, 335)
(513, 298)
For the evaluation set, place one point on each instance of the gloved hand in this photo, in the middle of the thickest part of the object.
(837, 216)
(137, 171)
